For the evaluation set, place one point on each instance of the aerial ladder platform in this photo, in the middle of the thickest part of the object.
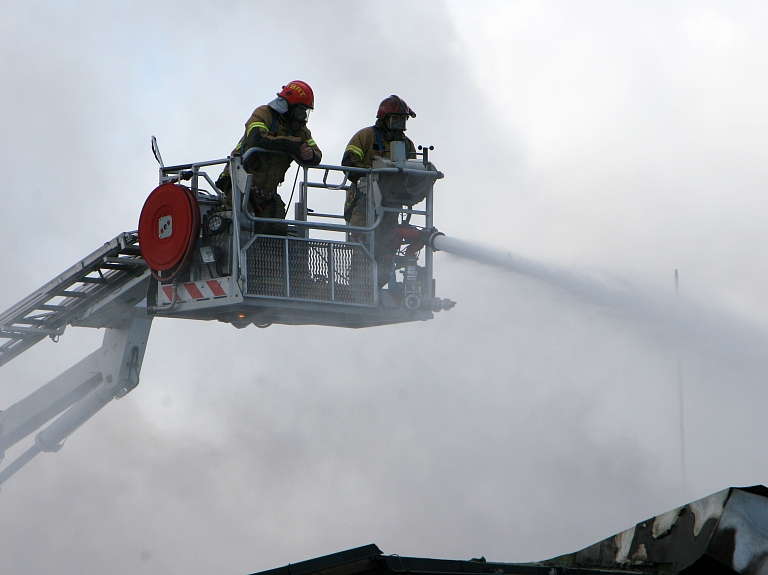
(201, 254)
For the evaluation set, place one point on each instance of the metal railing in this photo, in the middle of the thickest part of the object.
(309, 269)
(305, 221)
(302, 220)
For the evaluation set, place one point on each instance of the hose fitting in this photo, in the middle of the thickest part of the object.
(428, 236)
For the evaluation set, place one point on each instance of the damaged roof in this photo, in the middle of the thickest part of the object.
(722, 534)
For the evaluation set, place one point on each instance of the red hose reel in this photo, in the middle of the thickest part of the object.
(169, 227)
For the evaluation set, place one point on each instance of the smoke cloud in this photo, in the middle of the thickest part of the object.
(615, 142)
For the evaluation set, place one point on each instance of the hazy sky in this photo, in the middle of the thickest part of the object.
(619, 141)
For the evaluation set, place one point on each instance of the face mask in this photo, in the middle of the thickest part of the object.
(396, 122)
(300, 114)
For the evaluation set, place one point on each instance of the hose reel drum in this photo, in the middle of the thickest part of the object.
(169, 229)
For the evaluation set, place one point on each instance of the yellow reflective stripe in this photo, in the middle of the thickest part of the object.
(311, 142)
(356, 150)
(257, 125)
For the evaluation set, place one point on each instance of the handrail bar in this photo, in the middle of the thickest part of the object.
(327, 167)
(317, 225)
(429, 173)
(349, 169)
(320, 186)
(320, 215)
(193, 165)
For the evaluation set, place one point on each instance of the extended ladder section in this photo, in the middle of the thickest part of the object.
(71, 295)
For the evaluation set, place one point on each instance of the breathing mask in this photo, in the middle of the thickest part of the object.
(300, 113)
(396, 122)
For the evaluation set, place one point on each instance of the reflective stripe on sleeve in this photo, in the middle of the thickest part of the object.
(253, 125)
(356, 150)
(311, 142)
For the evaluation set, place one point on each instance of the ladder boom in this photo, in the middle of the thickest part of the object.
(47, 311)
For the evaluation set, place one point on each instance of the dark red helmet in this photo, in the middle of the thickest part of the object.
(298, 92)
(394, 105)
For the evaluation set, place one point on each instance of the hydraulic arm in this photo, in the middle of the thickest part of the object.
(101, 290)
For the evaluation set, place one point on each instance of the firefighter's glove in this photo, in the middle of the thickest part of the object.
(306, 152)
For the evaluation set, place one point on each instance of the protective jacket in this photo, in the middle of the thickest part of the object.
(368, 143)
(272, 131)
(364, 146)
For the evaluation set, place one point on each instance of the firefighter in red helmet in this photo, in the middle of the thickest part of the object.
(366, 144)
(280, 126)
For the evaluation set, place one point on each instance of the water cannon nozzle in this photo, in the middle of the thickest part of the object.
(428, 236)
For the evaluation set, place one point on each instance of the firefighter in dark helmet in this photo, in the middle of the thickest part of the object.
(374, 141)
(365, 145)
(280, 126)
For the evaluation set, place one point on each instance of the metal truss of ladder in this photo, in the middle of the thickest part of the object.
(47, 311)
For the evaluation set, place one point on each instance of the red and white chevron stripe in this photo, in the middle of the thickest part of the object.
(195, 291)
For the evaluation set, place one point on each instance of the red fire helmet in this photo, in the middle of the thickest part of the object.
(298, 92)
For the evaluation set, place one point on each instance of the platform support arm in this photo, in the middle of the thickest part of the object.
(110, 372)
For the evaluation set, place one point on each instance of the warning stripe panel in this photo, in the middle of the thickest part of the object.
(194, 291)
(199, 290)
(216, 288)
